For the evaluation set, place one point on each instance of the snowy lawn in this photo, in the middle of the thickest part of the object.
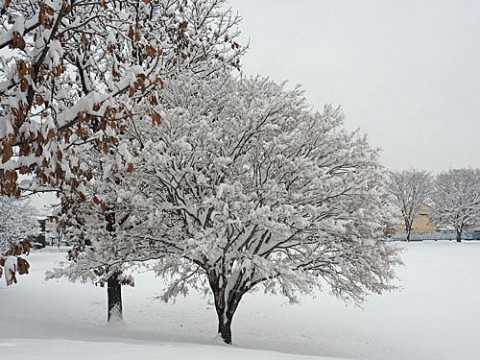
(435, 316)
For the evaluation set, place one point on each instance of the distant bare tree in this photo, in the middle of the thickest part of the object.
(410, 190)
(456, 199)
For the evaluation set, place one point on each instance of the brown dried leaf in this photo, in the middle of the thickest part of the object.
(24, 149)
(49, 10)
(22, 69)
(150, 50)
(25, 170)
(17, 42)
(103, 206)
(44, 16)
(39, 151)
(82, 133)
(50, 134)
(24, 85)
(131, 32)
(156, 118)
(11, 175)
(158, 81)
(84, 39)
(7, 153)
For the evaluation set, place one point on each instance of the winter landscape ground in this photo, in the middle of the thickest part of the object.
(434, 316)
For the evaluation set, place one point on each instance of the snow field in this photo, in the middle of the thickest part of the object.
(434, 316)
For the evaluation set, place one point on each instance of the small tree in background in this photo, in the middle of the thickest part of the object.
(267, 193)
(410, 190)
(456, 199)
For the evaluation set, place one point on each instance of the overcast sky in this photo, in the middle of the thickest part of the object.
(407, 73)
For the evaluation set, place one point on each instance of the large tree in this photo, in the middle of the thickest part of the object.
(170, 37)
(456, 199)
(262, 191)
(410, 190)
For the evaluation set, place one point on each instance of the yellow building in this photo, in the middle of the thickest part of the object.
(422, 222)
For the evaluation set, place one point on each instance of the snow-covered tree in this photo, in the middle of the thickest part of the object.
(104, 232)
(170, 37)
(255, 189)
(17, 223)
(456, 199)
(410, 190)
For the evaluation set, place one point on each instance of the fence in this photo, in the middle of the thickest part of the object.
(437, 235)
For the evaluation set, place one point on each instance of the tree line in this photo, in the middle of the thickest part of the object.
(453, 195)
(161, 151)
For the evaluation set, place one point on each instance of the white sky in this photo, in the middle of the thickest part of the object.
(407, 73)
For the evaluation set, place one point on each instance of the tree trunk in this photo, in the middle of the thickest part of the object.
(408, 229)
(114, 295)
(225, 305)
(114, 287)
(225, 328)
(459, 231)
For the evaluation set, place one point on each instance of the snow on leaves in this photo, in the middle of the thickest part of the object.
(75, 74)
(265, 191)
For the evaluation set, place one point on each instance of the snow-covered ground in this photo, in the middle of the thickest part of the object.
(435, 316)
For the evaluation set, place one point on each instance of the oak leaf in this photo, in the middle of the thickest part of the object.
(18, 42)
(7, 153)
(156, 118)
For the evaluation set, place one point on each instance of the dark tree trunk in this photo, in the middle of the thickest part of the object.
(114, 287)
(225, 305)
(225, 329)
(114, 295)
(459, 231)
(408, 229)
(459, 236)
